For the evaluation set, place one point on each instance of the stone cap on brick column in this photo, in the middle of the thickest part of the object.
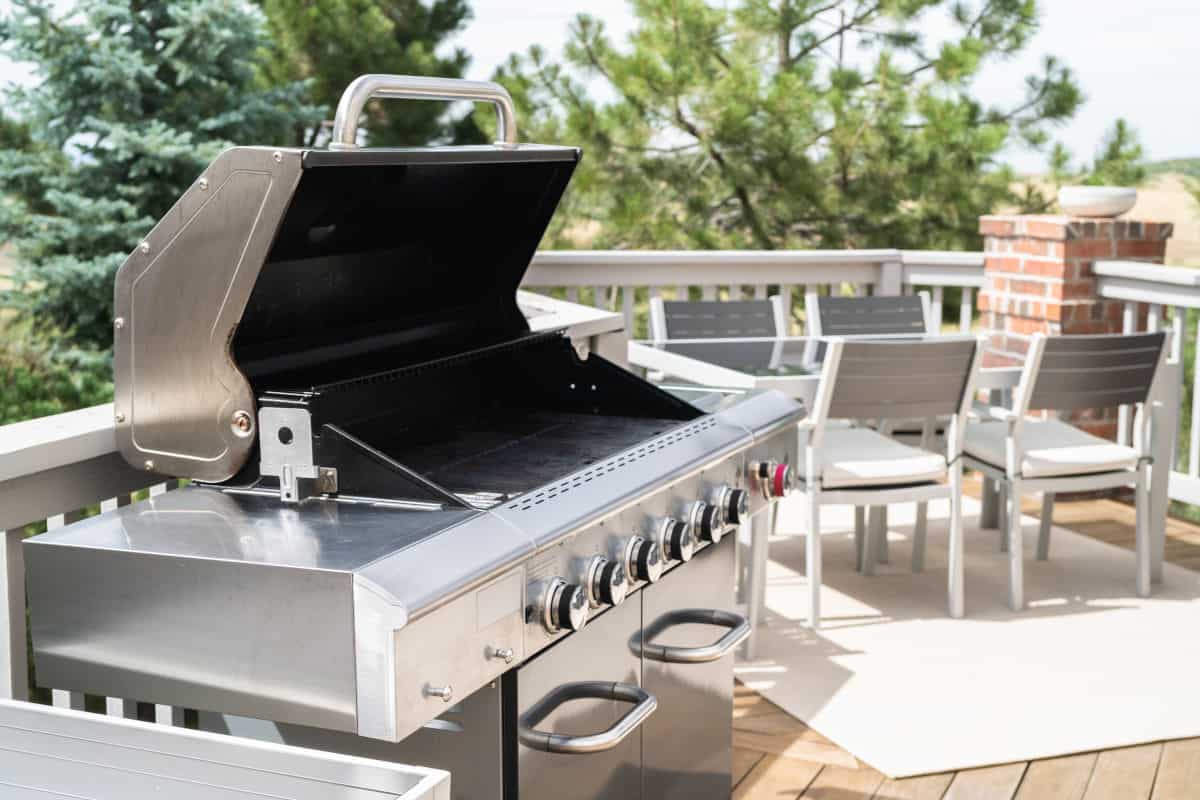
(1059, 227)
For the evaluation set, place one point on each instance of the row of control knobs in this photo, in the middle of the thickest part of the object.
(565, 606)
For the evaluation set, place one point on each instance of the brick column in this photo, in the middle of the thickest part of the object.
(1039, 279)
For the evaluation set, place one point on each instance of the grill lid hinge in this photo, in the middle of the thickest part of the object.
(286, 449)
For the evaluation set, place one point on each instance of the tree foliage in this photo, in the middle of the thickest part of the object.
(331, 42)
(790, 123)
(131, 100)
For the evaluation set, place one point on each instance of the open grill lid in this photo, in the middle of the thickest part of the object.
(281, 268)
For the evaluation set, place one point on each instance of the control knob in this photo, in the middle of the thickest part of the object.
(734, 505)
(707, 521)
(643, 560)
(776, 480)
(675, 539)
(564, 606)
(606, 582)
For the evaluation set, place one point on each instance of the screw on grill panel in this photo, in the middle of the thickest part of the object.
(119, 323)
(278, 156)
(120, 417)
(144, 247)
(149, 465)
(203, 184)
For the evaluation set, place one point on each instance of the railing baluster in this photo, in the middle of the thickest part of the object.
(785, 298)
(1194, 434)
(708, 293)
(14, 668)
(600, 297)
(61, 698)
(760, 291)
(966, 309)
(573, 294)
(935, 309)
(627, 293)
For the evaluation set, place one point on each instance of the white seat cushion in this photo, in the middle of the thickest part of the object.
(1052, 449)
(863, 457)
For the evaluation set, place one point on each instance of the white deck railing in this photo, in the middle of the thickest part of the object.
(1158, 297)
(52, 469)
(625, 280)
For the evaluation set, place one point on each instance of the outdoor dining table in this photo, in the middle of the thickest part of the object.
(793, 365)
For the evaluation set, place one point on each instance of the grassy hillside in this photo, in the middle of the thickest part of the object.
(1180, 166)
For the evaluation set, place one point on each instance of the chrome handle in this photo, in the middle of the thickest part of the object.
(643, 702)
(413, 87)
(739, 629)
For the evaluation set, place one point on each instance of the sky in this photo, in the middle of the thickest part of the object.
(1136, 59)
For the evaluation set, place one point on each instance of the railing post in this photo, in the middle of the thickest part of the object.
(891, 278)
(14, 668)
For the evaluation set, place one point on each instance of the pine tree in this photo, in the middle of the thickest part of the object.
(131, 100)
(332, 42)
(790, 123)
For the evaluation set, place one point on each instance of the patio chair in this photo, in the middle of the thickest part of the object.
(884, 315)
(859, 466)
(717, 319)
(1069, 373)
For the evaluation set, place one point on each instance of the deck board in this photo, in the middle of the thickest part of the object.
(987, 783)
(1178, 775)
(777, 757)
(1064, 778)
(1125, 774)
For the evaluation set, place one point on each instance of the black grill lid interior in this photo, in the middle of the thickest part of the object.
(391, 257)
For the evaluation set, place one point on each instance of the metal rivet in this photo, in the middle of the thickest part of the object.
(119, 323)
(149, 465)
(278, 156)
(120, 417)
(144, 247)
(203, 184)
(242, 421)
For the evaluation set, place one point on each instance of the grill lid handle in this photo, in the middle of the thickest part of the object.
(414, 87)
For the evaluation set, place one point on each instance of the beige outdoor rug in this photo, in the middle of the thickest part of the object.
(909, 691)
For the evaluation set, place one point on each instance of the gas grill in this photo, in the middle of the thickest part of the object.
(416, 529)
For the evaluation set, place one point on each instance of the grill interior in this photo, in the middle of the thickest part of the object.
(491, 423)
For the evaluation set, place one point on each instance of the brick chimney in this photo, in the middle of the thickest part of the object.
(1038, 271)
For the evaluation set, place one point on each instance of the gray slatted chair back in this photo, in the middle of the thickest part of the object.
(1096, 371)
(901, 379)
(866, 316)
(717, 319)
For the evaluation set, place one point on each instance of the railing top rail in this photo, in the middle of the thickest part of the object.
(548, 258)
(942, 258)
(1156, 273)
(44, 443)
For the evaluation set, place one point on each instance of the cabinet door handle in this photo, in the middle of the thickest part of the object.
(643, 644)
(643, 705)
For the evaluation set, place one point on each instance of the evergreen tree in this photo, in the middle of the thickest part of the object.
(131, 101)
(332, 42)
(790, 123)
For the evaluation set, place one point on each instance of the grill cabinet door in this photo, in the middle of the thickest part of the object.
(600, 652)
(688, 742)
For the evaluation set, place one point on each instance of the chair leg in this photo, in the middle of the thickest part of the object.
(813, 561)
(870, 553)
(1016, 551)
(989, 511)
(1142, 504)
(955, 554)
(881, 536)
(1043, 544)
(1002, 496)
(918, 544)
(860, 525)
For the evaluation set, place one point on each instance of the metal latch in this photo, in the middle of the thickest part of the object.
(286, 452)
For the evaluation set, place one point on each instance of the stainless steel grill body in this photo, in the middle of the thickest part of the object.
(406, 500)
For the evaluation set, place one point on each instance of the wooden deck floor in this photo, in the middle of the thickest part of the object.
(777, 757)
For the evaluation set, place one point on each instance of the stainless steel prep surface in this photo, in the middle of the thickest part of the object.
(407, 497)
